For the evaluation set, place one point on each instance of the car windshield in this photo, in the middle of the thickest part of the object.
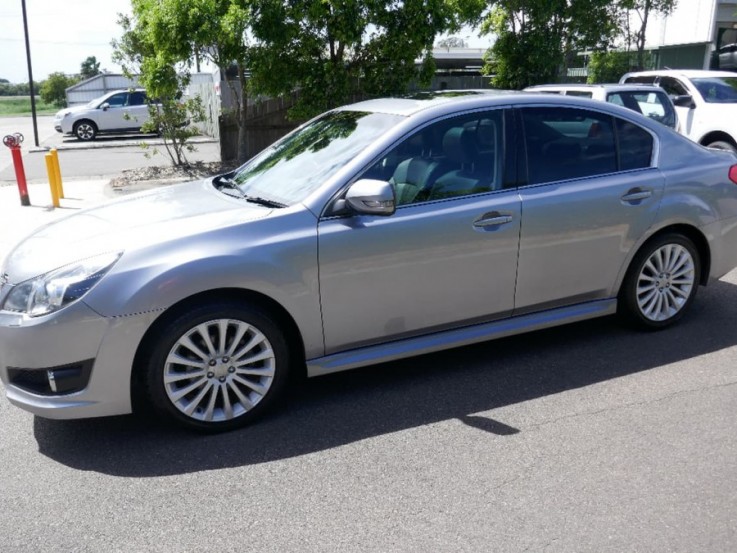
(717, 90)
(295, 166)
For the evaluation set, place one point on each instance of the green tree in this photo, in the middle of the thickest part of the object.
(451, 42)
(137, 53)
(89, 68)
(538, 39)
(53, 89)
(186, 31)
(335, 50)
(640, 11)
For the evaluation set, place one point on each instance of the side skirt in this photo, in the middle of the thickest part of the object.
(419, 345)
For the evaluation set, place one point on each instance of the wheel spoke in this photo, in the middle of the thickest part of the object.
(223, 325)
(204, 332)
(266, 354)
(260, 389)
(180, 393)
(192, 405)
(176, 359)
(171, 377)
(244, 401)
(227, 406)
(240, 332)
(252, 343)
(191, 346)
(210, 410)
(262, 371)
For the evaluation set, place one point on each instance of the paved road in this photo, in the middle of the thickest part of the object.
(105, 157)
(589, 438)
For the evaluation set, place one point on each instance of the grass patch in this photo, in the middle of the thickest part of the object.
(21, 105)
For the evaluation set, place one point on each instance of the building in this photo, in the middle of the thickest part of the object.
(694, 35)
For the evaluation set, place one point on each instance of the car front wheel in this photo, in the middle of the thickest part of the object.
(85, 130)
(218, 366)
(661, 283)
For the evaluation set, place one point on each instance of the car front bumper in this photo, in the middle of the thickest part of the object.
(70, 364)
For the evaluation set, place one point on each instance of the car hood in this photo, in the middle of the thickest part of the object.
(70, 111)
(132, 222)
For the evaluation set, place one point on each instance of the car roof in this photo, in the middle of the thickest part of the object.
(688, 73)
(613, 87)
(414, 103)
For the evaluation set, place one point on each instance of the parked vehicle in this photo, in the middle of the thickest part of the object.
(116, 112)
(377, 231)
(650, 100)
(706, 103)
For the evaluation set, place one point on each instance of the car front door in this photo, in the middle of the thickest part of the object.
(111, 117)
(136, 110)
(585, 205)
(446, 258)
(686, 115)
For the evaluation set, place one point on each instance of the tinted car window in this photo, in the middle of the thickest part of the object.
(641, 79)
(717, 90)
(567, 143)
(672, 87)
(137, 98)
(453, 157)
(635, 146)
(579, 93)
(117, 100)
(651, 104)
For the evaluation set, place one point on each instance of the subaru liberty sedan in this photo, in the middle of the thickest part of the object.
(377, 231)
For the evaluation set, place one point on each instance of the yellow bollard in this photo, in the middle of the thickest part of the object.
(52, 180)
(57, 172)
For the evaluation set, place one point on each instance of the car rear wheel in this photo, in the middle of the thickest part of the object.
(85, 130)
(722, 145)
(661, 283)
(218, 366)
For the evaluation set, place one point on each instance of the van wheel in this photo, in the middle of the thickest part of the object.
(722, 145)
(661, 282)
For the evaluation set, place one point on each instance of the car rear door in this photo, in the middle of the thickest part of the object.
(584, 204)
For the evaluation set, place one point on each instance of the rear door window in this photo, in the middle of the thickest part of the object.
(569, 143)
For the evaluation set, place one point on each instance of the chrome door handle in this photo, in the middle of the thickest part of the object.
(637, 194)
(492, 220)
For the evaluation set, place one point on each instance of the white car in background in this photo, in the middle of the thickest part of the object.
(115, 112)
(649, 100)
(706, 102)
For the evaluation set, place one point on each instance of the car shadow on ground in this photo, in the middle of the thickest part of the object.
(343, 408)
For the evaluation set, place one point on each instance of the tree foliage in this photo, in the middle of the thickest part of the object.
(53, 89)
(451, 42)
(335, 50)
(89, 68)
(639, 12)
(138, 52)
(538, 39)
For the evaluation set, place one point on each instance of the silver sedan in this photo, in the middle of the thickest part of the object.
(374, 232)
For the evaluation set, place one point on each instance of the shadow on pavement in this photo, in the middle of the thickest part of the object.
(332, 411)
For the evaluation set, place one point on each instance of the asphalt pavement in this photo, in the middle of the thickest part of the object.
(585, 438)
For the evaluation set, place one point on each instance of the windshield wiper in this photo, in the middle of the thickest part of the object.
(263, 201)
(225, 184)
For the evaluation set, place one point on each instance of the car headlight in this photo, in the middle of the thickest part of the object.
(58, 288)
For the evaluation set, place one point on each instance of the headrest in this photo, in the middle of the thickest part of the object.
(459, 145)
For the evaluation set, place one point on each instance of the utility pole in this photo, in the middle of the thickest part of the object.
(30, 74)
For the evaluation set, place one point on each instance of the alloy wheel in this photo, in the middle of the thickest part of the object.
(666, 282)
(219, 370)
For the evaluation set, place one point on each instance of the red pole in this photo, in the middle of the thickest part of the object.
(20, 176)
(13, 141)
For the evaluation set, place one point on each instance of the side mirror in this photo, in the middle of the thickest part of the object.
(684, 101)
(371, 197)
(104, 106)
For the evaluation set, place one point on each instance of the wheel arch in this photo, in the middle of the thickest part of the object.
(690, 232)
(85, 120)
(271, 306)
(715, 136)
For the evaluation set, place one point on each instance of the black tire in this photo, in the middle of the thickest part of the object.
(722, 145)
(85, 130)
(662, 270)
(225, 401)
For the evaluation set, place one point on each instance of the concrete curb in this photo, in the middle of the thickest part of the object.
(108, 143)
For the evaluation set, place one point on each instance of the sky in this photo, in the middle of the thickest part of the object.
(62, 34)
